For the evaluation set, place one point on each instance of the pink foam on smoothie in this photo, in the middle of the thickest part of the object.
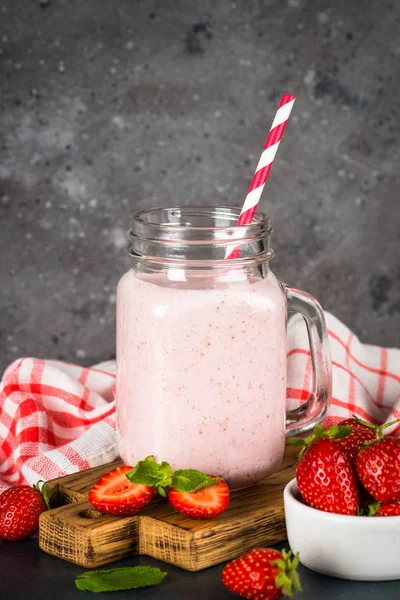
(201, 374)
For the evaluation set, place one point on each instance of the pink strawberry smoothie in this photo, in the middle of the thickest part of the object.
(201, 374)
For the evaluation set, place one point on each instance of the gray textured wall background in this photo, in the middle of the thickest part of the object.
(112, 106)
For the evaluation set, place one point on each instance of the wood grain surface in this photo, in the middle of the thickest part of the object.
(78, 533)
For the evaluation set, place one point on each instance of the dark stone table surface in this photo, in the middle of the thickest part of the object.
(27, 573)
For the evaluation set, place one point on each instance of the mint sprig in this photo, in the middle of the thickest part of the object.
(161, 476)
(122, 578)
(148, 472)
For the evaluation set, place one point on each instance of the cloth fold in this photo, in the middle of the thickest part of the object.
(58, 418)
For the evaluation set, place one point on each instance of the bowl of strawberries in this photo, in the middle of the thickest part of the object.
(342, 509)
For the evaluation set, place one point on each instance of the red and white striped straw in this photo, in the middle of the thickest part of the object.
(264, 165)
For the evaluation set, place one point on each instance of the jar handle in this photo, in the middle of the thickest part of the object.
(315, 407)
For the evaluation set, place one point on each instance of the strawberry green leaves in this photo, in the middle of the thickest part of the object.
(288, 578)
(161, 476)
(122, 578)
(49, 493)
(333, 433)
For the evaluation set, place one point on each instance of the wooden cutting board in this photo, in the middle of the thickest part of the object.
(78, 533)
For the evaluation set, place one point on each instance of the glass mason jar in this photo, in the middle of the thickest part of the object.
(201, 346)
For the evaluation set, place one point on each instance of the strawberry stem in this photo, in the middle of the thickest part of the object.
(48, 493)
(365, 423)
(373, 508)
(377, 429)
(389, 424)
(288, 578)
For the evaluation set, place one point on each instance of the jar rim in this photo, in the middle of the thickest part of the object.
(260, 219)
(195, 233)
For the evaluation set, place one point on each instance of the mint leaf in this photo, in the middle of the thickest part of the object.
(148, 472)
(122, 578)
(190, 480)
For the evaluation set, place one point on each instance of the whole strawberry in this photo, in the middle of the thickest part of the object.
(378, 468)
(20, 507)
(263, 574)
(361, 433)
(388, 509)
(324, 473)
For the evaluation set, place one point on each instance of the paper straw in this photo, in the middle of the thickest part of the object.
(264, 165)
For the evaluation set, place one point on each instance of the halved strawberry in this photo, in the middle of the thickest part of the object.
(205, 503)
(114, 494)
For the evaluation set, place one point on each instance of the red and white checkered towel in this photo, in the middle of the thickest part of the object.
(58, 418)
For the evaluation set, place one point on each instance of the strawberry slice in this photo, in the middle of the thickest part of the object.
(205, 503)
(114, 494)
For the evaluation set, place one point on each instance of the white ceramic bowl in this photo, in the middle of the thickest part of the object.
(359, 548)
